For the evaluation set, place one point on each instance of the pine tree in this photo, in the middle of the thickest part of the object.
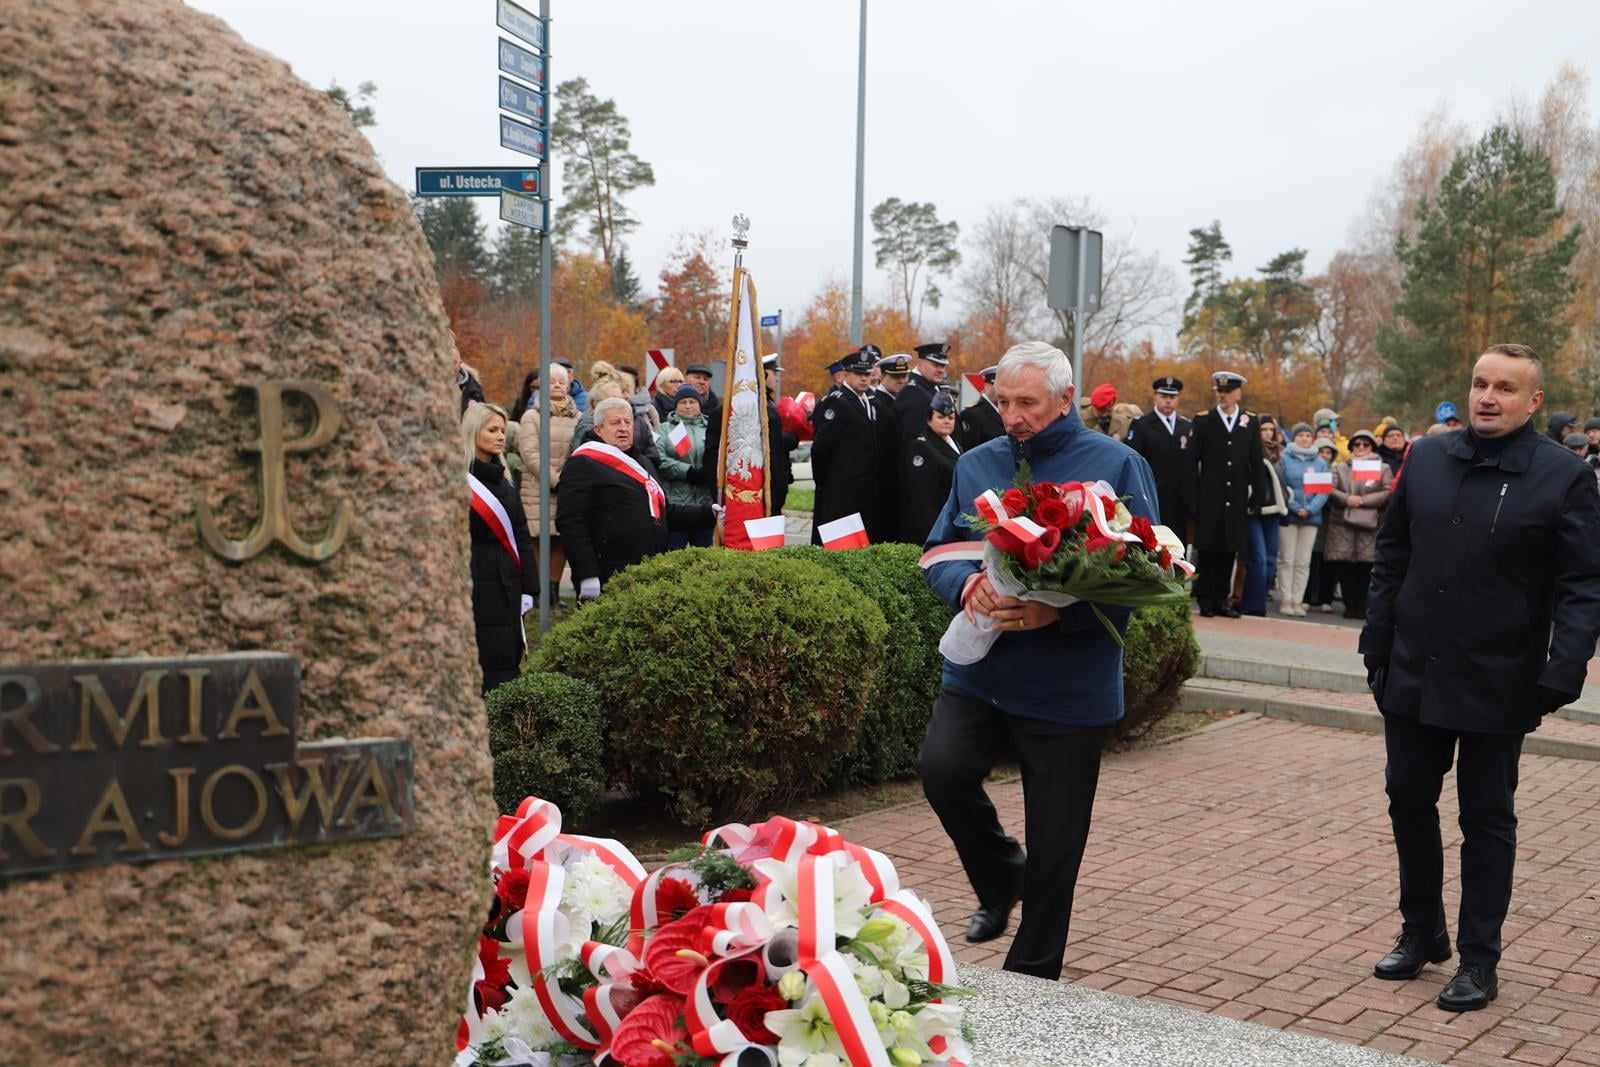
(598, 165)
(514, 271)
(1208, 251)
(455, 233)
(1488, 265)
(911, 240)
(362, 113)
(624, 282)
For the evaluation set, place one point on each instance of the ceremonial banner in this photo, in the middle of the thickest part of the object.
(764, 533)
(656, 360)
(742, 467)
(1318, 482)
(848, 532)
(1366, 470)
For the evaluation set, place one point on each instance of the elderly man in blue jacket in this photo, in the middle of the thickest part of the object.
(1052, 682)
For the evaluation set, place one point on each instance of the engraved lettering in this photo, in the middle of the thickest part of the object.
(208, 814)
(20, 718)
(17, 821)
(196, 677)
(146, 697)
(315, 789)
(371, 792)
(252, 704)
(180, 808)
(121, 822)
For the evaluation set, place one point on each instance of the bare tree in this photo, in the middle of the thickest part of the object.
(1353, 298)
(1003, 299)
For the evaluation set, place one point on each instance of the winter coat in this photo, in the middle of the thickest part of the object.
(977, 423)
(1223, 466)
(579, 395)
(675, 469)
(925, 474)
(1268, 496)
(563, 420)
(644, 407)
(1354, 544)
(855, 461)
(471, 389)
(499, 581)
(1486, 584)
(644, 437)
(1293, 469)
(1167, 452)
(911, 405)
(605, 521)
(1070, 672)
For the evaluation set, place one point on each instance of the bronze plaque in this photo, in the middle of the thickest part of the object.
(117, 761)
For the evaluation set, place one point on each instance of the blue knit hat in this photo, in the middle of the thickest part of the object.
(685, 392)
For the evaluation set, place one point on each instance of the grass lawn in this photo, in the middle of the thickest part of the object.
(800, 499)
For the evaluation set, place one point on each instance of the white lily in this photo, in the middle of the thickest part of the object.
(802, 1032)
(852, 893)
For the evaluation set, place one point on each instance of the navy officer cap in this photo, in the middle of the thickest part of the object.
(1226, 380)
(935, 352)
(1168, 386)
(861, 361)
(899, 363)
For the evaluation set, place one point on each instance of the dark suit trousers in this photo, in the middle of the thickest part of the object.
(1213, 581)
(1060, 770)
(1486, 785)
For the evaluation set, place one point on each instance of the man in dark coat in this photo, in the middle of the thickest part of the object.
(699, 376)
(613, 511)
(980, 421)
(1162, 438)
(1224, 462)
(926, 471)
(1482, 616)
(780, 442)
(855, 453)
(911, 403)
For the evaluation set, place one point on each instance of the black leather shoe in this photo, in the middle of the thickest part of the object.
(1206, 613)
(1470, 990)
(1412, 953)
(989, 922)
(1228, 611)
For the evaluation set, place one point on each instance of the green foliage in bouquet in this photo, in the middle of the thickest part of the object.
(909, 663)
(545, 734)
(732, 682)
(1160, 655)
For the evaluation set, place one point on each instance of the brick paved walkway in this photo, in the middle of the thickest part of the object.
(1247, 870)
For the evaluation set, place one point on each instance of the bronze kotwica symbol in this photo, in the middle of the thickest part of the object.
(274, 523)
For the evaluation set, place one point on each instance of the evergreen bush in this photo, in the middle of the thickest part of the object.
(546, 737)
(731, 681)
(1160, 655)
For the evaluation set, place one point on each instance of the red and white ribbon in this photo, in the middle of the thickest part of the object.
(952, 552)
(620, 461)
(1097, 512)
(1024, 529)
(521, 837)
(488, 508)
(990, 507)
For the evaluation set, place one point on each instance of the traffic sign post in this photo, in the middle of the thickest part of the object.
(1074, 282)
(521, 137)
(520, 100)
(521, 63)
(524, 24)
(476, 181)
(526, 211)
(775, 321)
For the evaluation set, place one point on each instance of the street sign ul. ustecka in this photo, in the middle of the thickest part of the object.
(476, 181)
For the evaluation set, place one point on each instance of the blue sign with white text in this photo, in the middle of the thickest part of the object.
(476, 181)
(520, 137)
(521, 63)
(522, 23)
(771, 320)
(520, 100)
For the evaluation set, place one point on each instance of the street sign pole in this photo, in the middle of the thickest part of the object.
(1074, 282)
(780, 337)
(547, 587)
(1080, 315)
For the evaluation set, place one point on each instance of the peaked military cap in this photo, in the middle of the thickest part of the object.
(837, 365)
(1226, 379)
(770, 362)
(899, 363)
(1168, 386)
(935, 352)
(862, 360)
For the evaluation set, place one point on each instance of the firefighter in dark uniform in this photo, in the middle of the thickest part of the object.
(911, 404)
(1162, 438)
(855, 454)
(896, 370)
(1224, 462)
(980, 421)
(930, 463)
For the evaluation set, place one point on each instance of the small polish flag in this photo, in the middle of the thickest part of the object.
(1318, 482)
(682, 443)
(764, 533)
(977, 382)
(848, 532)
(658, 359)
(1366, 470)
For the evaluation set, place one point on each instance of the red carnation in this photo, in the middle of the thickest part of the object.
(1146, 532)
(1046, 491)
(748, 1011)
(675, 898)
(512, 888)
(655, 1020)
(1015, 501)
(1053, 513)
(491, 988)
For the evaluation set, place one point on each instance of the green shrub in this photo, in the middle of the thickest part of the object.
(731, 681)
(1161, 654)
(545, 733)
(909, 662)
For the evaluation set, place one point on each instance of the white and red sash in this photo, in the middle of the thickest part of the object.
(488, 508)
(621, 462)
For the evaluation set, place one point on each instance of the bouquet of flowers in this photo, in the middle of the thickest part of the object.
(779, 944)
(1061, 543)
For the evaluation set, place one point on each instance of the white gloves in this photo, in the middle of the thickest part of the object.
(527, 603)
(716, 512)
(589, 589)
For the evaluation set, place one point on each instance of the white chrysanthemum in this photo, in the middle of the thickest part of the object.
(523, 1018)
(594, 890)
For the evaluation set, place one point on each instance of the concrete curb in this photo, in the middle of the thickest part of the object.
(1206, 694)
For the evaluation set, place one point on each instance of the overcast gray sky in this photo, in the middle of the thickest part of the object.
(1276, 118)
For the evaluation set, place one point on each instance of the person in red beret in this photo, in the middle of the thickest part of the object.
(1095, 409)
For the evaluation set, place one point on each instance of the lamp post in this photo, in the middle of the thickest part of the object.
(861, 171)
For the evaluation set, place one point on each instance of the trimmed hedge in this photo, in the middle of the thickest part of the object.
(909, 662)
(1160, 655)
(546, 737)
(732, 681)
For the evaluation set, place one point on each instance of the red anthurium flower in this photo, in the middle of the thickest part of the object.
(749, 1012)
(1053, 513)
(1145, 530)
(512, 888)
(650, 1033)
(1015, 501)
(675, 898)
(1072, 500)
(1046, 491)
(491, 988)
(662, 952)
(1005, 541)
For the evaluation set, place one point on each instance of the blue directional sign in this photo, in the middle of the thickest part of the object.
(520, 137)
(521, 23)
(476, 181)
(520, 100)
(523, 210)
(771, 320)
(518, 62)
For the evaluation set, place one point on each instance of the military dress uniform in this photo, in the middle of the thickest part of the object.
(855, 455)
(1164, 444)
(980, 421)
(1225, 460)
(911, 405)
(930, 464)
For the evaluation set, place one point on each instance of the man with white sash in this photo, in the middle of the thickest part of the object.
(613, 510)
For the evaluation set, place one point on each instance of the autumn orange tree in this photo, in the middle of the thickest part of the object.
(691, 315)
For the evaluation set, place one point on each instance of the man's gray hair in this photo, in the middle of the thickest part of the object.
(611, 403)
(1047, 357)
